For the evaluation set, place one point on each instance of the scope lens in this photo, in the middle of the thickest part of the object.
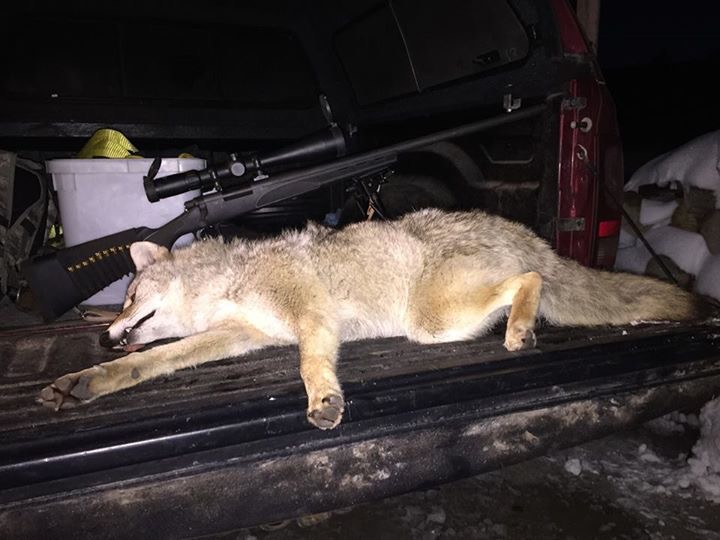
(174, 184)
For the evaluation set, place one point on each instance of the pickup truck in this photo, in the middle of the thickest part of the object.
(227, 445)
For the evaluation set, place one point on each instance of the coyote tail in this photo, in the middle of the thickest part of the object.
(575, 295)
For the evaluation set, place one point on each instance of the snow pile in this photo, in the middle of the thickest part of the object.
(674, 422)
(696, 163)
(688, 232)
(705, 462)
(644, 472)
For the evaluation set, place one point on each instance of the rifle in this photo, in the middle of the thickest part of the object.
(63, 279)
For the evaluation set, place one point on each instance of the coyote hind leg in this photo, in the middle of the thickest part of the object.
(441, 312)
(520, 331)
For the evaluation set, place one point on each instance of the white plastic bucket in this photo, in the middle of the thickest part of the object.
(98, 197)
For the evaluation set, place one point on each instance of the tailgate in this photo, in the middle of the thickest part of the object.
(227, 445)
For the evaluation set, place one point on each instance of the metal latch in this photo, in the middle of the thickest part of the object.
(511, 103)
(571, 224)
(574, 103)
(585, 124)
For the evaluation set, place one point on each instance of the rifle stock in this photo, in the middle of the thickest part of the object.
(62, 279)
(65, 278)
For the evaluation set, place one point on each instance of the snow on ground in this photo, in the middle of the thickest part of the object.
(705, 461)
(651, 484)
(674, 476)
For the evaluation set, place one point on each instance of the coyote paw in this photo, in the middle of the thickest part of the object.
(70, 390)
(328, 413)
(518, 338)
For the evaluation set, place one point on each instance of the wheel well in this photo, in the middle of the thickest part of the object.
(446, 162)
(439, 175)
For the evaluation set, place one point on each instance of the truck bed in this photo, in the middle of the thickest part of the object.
(227, 445)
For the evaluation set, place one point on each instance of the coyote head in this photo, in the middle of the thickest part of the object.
(153, 307)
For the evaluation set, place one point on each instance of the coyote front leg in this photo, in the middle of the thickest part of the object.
(74, 388)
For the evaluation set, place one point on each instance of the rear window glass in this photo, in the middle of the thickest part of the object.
(406, 46)
(152, 59)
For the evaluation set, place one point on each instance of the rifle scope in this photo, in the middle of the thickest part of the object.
(327, 144)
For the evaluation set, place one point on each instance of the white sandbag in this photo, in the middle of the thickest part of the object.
(632, 259)
(627, 238)
(656, 212)
(708, 280)
(710, 231)
(687, 249)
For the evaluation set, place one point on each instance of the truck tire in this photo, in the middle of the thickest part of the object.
(403, 193)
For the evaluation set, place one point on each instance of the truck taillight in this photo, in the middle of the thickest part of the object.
(605, 251)
(610, 187)
(608, 228)
(606, 243)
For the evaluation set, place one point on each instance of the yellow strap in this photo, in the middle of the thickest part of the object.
(108, 143)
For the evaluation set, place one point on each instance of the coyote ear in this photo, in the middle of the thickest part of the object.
(146, 253)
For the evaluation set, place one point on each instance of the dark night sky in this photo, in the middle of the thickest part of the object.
(636, 32)
(661, 60)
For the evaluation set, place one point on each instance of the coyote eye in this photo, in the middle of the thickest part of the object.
(126, 332)
(145, 318)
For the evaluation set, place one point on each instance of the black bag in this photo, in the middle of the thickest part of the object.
(27, 212)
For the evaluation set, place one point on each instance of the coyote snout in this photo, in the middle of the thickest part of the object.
(125, 334)
(106, 341)
(126, 343)
(431, 276)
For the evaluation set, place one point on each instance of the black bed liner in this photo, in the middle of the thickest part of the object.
(227, 444)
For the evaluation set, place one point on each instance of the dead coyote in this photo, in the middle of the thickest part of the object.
(431, 276)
